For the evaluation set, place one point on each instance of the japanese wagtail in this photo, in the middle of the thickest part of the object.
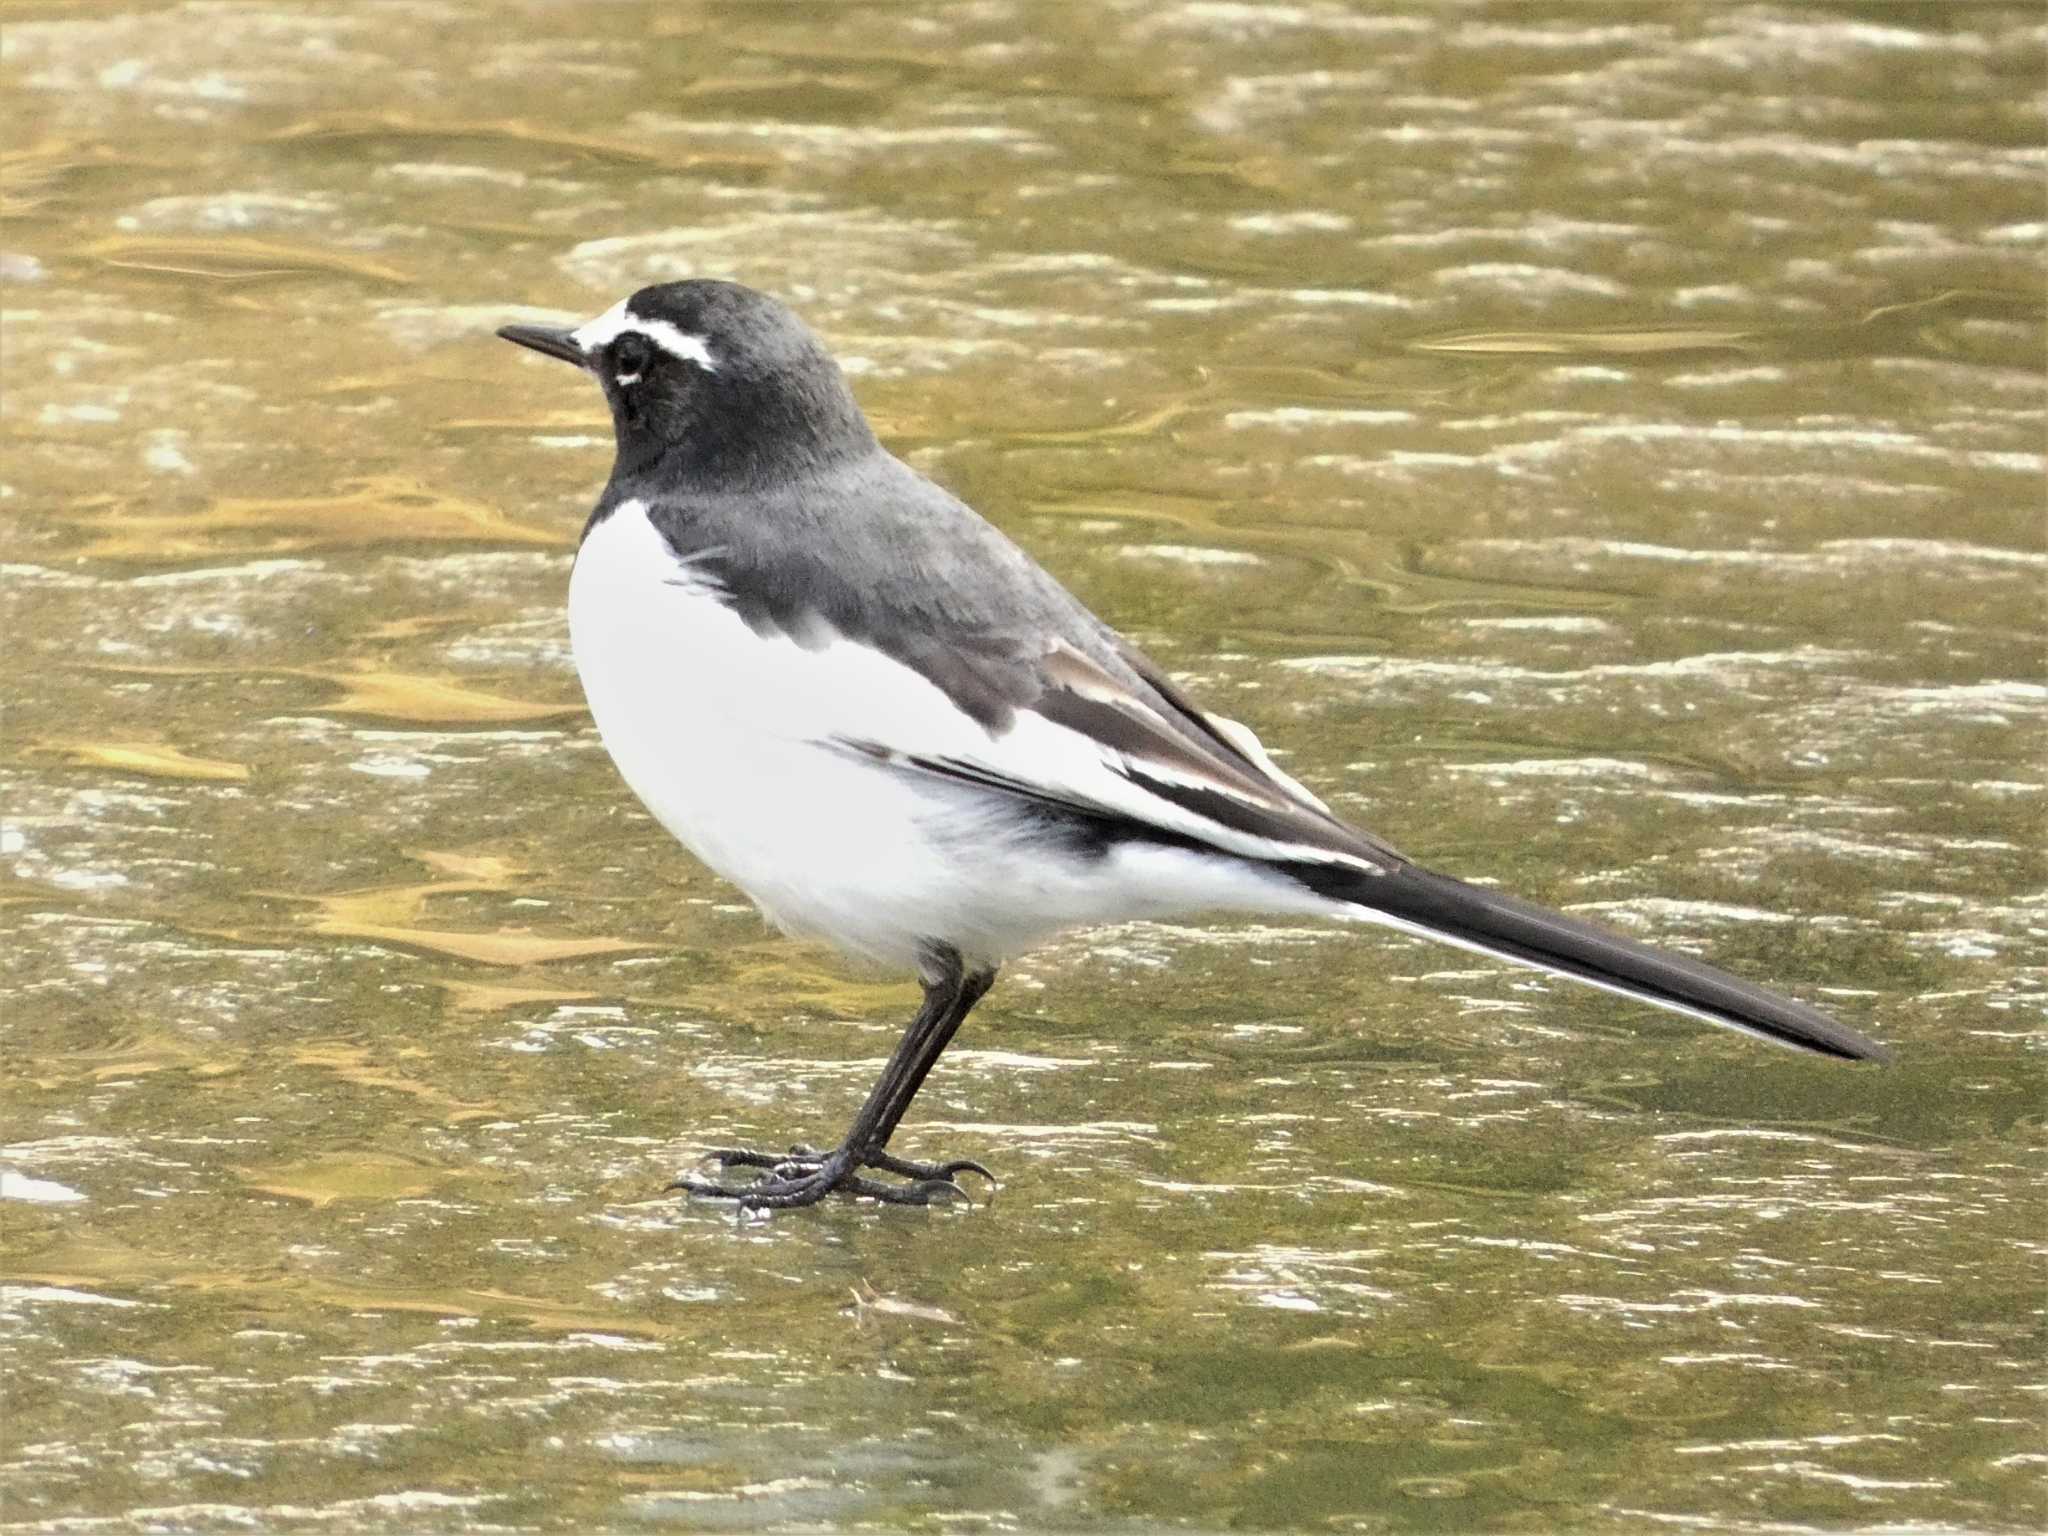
(864, 706)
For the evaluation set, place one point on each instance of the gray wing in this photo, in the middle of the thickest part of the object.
(875, 553)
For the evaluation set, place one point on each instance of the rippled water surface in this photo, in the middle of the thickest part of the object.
(1601, 445)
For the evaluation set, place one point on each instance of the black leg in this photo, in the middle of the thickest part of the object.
(973, 988)
(804, 1175)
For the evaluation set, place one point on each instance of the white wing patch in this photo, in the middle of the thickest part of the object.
(1240, 736)
(608, 327)
(1118, 759)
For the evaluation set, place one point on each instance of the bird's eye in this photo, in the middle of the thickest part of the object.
(629, 356)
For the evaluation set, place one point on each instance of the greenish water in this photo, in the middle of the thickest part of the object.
(1601, 445)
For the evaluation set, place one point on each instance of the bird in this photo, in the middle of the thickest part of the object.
(854, 698)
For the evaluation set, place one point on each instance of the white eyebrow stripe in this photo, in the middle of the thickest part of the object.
(616, 321)
(592, 334)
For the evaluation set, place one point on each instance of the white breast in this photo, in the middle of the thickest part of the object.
(724, 735)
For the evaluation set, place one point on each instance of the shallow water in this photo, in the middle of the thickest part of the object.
(1600, 445)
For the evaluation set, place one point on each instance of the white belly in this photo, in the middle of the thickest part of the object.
(727, 737)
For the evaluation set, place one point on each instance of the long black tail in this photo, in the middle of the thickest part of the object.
(1438, 907)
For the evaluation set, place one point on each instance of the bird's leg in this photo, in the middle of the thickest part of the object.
(973, 988)
(804, 1175)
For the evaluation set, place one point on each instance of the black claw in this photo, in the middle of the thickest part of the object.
(740, 1157)
(767, 1193)
(689, 1186)
(803, 1176)
(923, 1192)
(888, 1162)
(806, 1158)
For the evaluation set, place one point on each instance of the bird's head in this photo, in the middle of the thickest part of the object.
(718, 385)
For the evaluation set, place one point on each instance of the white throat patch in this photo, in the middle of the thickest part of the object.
(618, 320)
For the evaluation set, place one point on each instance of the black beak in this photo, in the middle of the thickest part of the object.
(542, 338)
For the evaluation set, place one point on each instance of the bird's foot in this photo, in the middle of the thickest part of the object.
(804, 1175)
